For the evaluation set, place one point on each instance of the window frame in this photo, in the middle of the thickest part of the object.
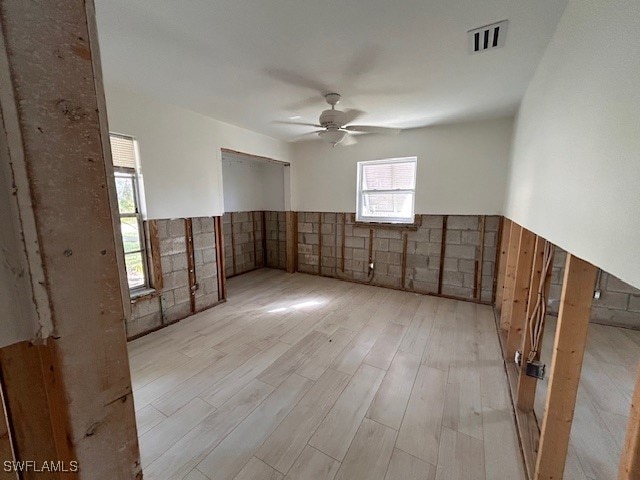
(360, 192)
(132, 174)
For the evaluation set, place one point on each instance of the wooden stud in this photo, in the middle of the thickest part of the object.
(291, 219)
(370, 246)
(191, 264)
(154, 247)
(233, 246)
(255, 239)
(404, 259)
(510, 276)
(526, 388)
(496, 260)
(263, 219)
(566, 364)
(521, 285)
(342, 245)
(6, 447)
(220, 260)
(477, 291)
(443, 248)
(320, 244)
(502, 262)
(630, 458)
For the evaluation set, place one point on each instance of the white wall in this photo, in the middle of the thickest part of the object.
(251, 184)
(180, 152)
(461, 168)
(575, 169)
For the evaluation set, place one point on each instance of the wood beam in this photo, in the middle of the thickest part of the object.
(220, 258)
(154, 247)
(510, 276)
(566, 365)
(526, 388)
(630, 459)
(291, 219)
(521, 285)
(443, 248)
(502, 262)
(53, 108)
(191, 262)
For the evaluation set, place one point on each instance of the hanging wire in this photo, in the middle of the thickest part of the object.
(536, 322)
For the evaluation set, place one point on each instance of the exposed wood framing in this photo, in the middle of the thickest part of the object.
(264, 238)
(6, 447)
(370, 247)
(256, 157)
(501, 265)
(443, 248)
(521, 285)
(404, 259)
(566, 364)
(526, 388)
(220, 261)
(191, 264)
(510, 276)
(291, 219)
(477, 285)
(233, 246)
(255, 239)
(154, 247)
(320, 243)
(68, 399)
(630, 459)
(496, 260)
(342, 244)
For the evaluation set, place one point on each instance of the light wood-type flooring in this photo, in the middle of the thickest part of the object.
(306, 377)
(604, 399)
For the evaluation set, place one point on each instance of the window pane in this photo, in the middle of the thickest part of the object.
(130, 234)
(126, 194)
(123, 151)
(135, 269)
(396, 205)
(389, 176)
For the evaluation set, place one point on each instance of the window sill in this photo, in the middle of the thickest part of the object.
(143, 294)
(417, 222)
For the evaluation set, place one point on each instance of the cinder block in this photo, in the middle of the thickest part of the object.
(178, 311)
(491, 224)
(470, 237)
(459, 292)
(417, 261)
(181, 294)
(305, 227)
(170, 246)
(453, 278)
(430, 249)
(432, 221)
(167, 299)
(240, 217)
(435, 235)
(462, 222)
(311, 239)
(312, 217)
(422, 287)
(634, 303)
(311, 259)
(389, 257)
(394, 234)
(613, 300)
(355, 242)
(615, 317)
(163, 229)
(469, 280)
(453, 237)
(177, 227)
(614, 284)
(395, 246)
(204, 240)
(381, 244)
(424, 275)
(209, 270)
(178, 262)
(394, 270)
(450, 265)
(304, 248)
(328, 218)
(143, 324)
(461, 251)
(467, 266)
(360, 232)
(420, 235)
(175, 280)
(490, 239)
(327, 228)
(360, 254)
(142, 308)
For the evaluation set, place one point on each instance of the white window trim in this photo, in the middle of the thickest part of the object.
(360, 192)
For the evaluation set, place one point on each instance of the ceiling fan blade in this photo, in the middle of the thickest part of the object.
(351, 115)
(297, 80)
(371, 129)
(349, 140)
(301, 124)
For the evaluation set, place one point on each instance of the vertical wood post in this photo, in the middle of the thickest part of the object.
(520, 292)
(443, 249)
(292, 240)
(502, 262)
(191, 262)
(526, 389)
(510, 276)
(630, 459)
(71, 397)
(220, 260)
(566, 364)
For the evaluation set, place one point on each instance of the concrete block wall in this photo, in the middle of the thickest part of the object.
(320, 247)
(172, 302)
(618, 305)
(276, 245)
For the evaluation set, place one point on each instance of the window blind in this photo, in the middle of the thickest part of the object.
(123, 151)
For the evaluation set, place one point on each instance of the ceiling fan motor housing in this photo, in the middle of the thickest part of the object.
(332, 118)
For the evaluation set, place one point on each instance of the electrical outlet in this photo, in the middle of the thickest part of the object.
(371, 266)
(518, 357)
(597, 294)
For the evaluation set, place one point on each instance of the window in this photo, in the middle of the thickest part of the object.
(386, 190)
(123, 150)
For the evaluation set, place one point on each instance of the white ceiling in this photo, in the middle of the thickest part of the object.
(250, 63)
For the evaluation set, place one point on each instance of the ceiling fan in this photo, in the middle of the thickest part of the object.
(335, 123)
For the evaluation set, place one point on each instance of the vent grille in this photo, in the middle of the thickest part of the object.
(487, 37)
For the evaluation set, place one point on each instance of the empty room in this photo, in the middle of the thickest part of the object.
(358, 240)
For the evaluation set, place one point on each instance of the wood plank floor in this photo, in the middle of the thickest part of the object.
(306, 377)
(604, 399)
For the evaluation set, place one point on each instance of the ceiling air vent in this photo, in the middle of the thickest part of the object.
(487, 37)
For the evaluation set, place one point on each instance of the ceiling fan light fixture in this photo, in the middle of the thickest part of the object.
(333, 137)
